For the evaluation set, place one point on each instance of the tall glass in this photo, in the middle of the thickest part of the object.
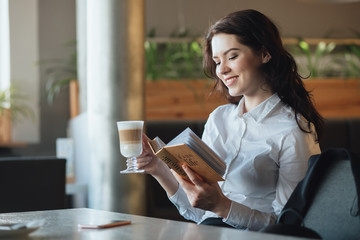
(130, 136)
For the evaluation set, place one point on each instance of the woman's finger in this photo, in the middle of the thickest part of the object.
(178, 178)
(143, 162)
(184, 183)
(145, 159)
(194, 178)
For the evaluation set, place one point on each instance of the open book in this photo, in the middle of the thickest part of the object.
(188, 148)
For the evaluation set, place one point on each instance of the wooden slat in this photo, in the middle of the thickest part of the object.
(173, 100)
(74, 98)
(180, 100)
(336, 98)
(5, 127)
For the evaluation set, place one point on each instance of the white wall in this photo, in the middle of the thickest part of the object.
(24, 53)
(294, 17)
(41, 29)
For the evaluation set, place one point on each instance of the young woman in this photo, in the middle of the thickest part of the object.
(265, 134)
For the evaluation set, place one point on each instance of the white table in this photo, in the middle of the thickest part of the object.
(63, 224)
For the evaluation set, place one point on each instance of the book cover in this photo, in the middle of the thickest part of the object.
(188, 148)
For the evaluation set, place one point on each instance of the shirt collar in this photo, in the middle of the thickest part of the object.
(261, 110)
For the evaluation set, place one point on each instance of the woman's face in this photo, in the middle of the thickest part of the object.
(237, 65)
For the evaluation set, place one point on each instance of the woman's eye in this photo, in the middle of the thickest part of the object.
(217, 63)
(233, 57)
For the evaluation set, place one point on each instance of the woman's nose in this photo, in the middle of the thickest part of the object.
(224, 68)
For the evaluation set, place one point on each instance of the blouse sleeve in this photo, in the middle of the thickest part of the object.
(180, 200)
(297, 147)
(243, 217)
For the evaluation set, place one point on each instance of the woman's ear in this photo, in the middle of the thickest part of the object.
(266, 57)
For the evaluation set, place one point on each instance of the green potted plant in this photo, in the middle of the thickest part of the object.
(352, 57)
(331, 66)
(316, 63)
(176, 86)
(179, 58)
(61, 74)
(12, 106)
(333, 76)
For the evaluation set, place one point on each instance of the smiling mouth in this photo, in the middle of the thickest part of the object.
(230, 81)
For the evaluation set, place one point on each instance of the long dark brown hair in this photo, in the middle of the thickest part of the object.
(258, 32)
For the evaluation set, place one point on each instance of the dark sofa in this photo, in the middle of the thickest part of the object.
(32, 183)
(344, 133)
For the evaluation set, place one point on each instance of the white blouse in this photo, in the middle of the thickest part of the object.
(266, 155)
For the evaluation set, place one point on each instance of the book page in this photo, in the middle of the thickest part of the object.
(187, 148)
(183, 154)
(156, 144)
(189, 138)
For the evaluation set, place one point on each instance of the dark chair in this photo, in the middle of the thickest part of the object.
(32, 183)
(341, 133)
(326, 201)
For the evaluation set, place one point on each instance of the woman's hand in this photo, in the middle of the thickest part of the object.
(204, 195)
(147, 160)
(157, 168)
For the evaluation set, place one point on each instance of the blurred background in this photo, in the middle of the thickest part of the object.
(74, 68)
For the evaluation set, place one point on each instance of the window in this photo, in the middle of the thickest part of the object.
(4, 45)
(18, 56)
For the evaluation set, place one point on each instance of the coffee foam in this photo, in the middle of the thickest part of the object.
(130, 125)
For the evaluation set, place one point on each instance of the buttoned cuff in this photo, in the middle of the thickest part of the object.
(238, 216)
(179, 199)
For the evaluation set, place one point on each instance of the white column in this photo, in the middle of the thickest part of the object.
(81, 51)
(110, 97)
(4, 45)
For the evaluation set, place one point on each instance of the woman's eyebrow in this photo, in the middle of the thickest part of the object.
(227, 51)
(230, 49)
